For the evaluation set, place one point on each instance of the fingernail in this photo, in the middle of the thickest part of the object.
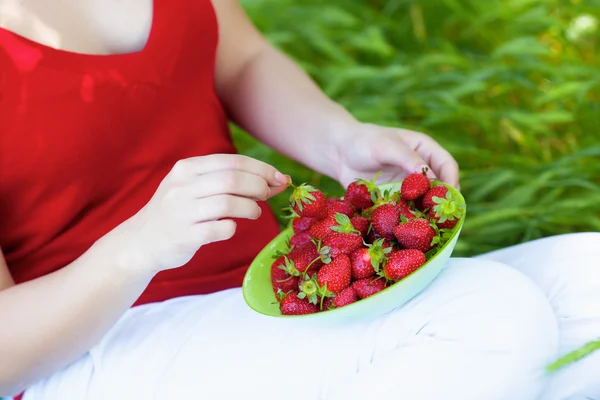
(281, 178)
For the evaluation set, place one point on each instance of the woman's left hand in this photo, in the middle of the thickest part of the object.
(365, 149)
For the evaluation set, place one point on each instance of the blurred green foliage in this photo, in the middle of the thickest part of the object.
(510, 87)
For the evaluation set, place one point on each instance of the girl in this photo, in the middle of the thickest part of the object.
(120, 187)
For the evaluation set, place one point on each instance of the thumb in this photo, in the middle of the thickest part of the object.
(394, 152)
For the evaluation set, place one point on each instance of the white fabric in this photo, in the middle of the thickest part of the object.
(481, 331)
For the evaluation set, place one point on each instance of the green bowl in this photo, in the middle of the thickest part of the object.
(258, 292)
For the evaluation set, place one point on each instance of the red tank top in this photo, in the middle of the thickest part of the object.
(85, 140)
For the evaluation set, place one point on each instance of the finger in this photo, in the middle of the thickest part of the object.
(226, 206)
(213, 231)
(274, 191)
(442, 162)
(231, 182)
(393, 151)
(219, 162)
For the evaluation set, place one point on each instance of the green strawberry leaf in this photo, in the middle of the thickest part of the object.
(342, 219)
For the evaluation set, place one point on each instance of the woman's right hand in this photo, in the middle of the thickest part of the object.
(194, 205)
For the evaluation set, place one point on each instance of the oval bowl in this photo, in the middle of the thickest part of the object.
(258, 292)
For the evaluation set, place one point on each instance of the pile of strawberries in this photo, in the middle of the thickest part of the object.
(345, 250)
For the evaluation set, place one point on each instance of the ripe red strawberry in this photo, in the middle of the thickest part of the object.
(341, 243)
(361, 224)
(406, 212)
(416, 234)
(367, 261)
(403, 263)
(343, 239)
(306, 256)
(369, 286)
(436, 191)
(322, 229)
(343, 298)
(415, 185)
(361, 264)
(384, 218)
(301, 224)
(446, 211)
(335, 206)
(447, 224)
(293, 305)
(300, 239)
(280, 279)
(307, 201)
(336, 275)
(361, 193)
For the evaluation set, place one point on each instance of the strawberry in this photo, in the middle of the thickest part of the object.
(362, 193)
(384, 218)
(300, 239)
(293, 305)
(416, 234)
(343, 298)
(301, 224)
(361, 224)
(369, 286)
(280, 278)
(343, 239)
(405, 212)
(343, 224)
(403, 263)
(415, 185)
(305, 257)
(361, 264)
(367, 261)
(307, 201)
(436, 191)
(447, 224)
(308, 289)
(322, 229)
(335, 206)
(341, 243)
(336, 275)
(446, 211)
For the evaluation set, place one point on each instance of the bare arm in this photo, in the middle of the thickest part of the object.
(50, 321)
(275, 101)
(271, 97)
(54, 319)
(6, 280)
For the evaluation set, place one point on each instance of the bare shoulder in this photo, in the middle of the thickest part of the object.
(6, 279)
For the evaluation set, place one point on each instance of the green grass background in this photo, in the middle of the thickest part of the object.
(510, 87)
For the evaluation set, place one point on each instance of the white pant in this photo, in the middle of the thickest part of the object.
(481, 331)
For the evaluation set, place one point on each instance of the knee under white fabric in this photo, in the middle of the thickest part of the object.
(567, 270)
(482, 330)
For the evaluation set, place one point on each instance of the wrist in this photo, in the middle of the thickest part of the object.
(125, 253)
